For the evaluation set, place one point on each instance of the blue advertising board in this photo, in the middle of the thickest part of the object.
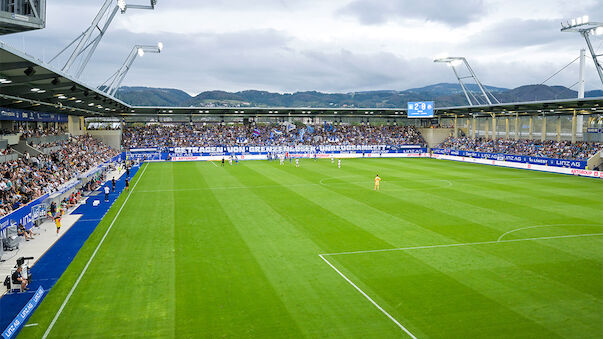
(25, 115)
(23, 215)
(14, 326)
(420, 109)
(167, 152)
(577, 164)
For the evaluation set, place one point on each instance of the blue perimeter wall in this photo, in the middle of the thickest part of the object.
(49, 268)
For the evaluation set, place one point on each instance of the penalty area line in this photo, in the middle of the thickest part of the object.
(77, 282)
(369, 298)
(466, 244)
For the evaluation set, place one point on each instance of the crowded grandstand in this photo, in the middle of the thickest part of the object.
(367, 214)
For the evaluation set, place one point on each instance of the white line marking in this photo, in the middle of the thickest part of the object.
(466, 244)
(369, 298)
(30, 325)
(56, 317)
(542, 226)
(213, 163)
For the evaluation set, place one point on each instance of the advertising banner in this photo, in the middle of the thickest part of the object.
(14, 326)
(576, 164)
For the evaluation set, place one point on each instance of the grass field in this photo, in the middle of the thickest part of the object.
(445, 249)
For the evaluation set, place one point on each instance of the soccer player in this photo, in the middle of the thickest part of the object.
(332, 159)
(113, 183)
(222, 161)
(282, 160)
(57, 218)
(230, 160)
(107, 193)
(296, 162)
(127, 184)
(339, 163)
(377, 181)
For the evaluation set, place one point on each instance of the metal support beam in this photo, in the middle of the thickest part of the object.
(111, 85)
(558, 128)
(574, 125)
(507, 128)
(516, 126)
(543, 131)
(87, 42)
(531, 128)
(494, 127)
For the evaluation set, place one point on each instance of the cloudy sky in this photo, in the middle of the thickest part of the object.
(326, 45)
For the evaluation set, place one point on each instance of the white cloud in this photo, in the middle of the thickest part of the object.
(335, 45)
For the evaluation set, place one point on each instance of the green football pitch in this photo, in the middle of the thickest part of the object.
(444, 249)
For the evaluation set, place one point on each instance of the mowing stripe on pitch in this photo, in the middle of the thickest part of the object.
(369, 298)
(56, 317)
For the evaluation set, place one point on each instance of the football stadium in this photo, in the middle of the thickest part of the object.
(467, 214)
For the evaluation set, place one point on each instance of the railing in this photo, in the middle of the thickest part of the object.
(595, 161)
(9, 157)
(46, 139)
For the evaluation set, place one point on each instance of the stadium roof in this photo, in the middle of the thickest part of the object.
(30, 84)
(552, 107)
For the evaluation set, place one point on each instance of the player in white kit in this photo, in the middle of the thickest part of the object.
(296, 162)
(339, 163)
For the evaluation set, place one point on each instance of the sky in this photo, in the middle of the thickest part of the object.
(329, 46)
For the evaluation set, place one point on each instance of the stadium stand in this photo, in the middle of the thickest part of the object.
(527, 147)
(29, 177)
(185, 135)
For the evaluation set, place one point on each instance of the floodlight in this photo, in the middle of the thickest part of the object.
(122, 5)
(160, 46)
(586, 28)
(140, 52)
(34, 89)
(456, 62)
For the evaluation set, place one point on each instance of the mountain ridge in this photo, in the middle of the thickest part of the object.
(444, 95)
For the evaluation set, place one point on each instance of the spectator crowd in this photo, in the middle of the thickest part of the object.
(30, 177)
(535, 148)
(191, 135)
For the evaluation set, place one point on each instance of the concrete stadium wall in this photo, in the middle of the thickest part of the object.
(112, 138)
(11, 139)
(595, 161)
(76, 125)
(435, 136)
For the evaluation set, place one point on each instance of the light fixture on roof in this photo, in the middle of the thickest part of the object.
(5, 81)
(122, 5)
(78, 101)
(160, 46)
(34, 89)
(586, 28)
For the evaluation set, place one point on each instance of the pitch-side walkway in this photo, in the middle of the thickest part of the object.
(52, 254)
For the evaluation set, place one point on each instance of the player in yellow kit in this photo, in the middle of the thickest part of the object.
(377, 181)
(57, 218)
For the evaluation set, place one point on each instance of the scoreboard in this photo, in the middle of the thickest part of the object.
(420, 109)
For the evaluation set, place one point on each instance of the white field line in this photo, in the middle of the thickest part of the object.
(369, 298)
(213, 163)
(58, 314)
(544, 226)
(465, 244)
